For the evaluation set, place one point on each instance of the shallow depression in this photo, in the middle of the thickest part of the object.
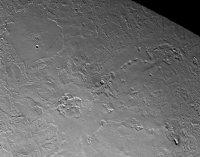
(33, 35)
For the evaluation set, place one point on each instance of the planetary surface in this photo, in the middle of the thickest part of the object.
(96, 78)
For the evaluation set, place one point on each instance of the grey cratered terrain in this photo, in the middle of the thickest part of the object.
(96, 78)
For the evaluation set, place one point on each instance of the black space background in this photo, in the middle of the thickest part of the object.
(183, 13)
